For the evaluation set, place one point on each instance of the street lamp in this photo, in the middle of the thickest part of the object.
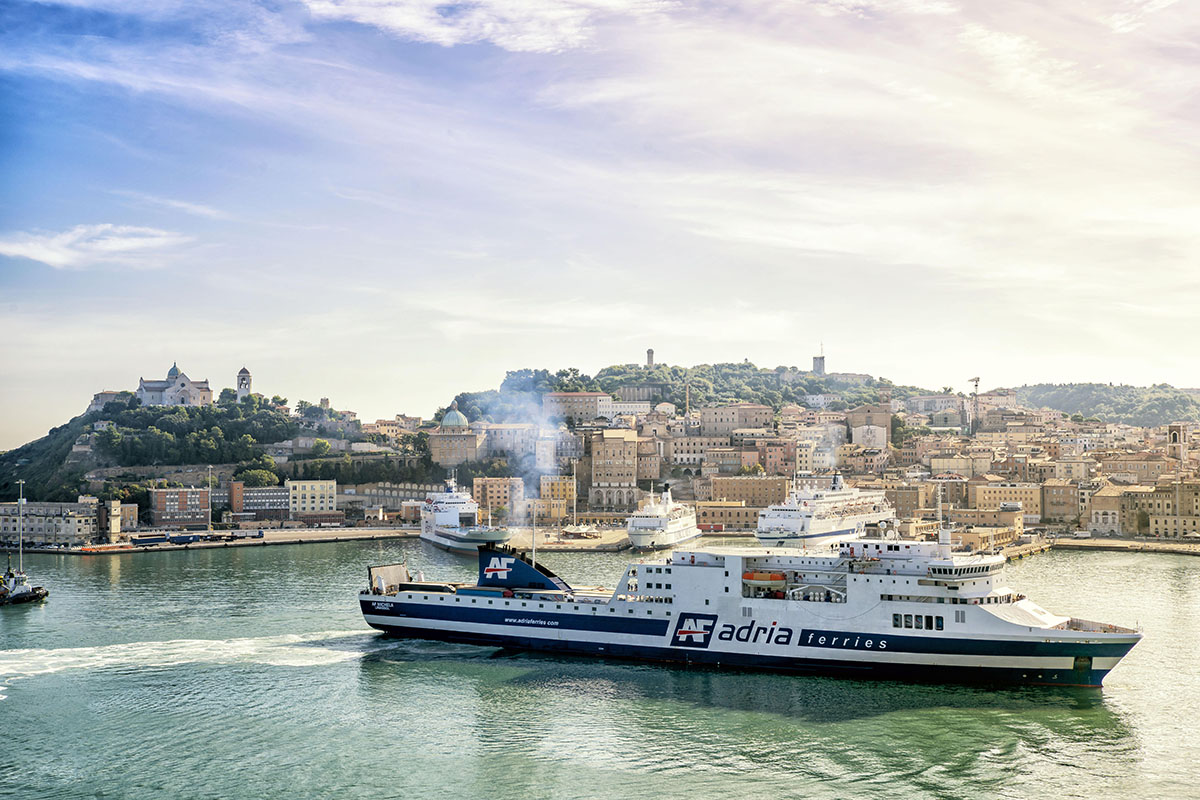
(210, 498)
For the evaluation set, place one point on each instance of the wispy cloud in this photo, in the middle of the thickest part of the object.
(538, 26)
(87, 246)
(195, 209)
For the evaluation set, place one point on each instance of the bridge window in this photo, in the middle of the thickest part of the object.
(908, 623)
(897, 621)
(920, 623)
(938, 623)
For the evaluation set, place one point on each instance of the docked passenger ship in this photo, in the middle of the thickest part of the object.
(812, 517)
(662, 523)
(450, 520)
(876, 608)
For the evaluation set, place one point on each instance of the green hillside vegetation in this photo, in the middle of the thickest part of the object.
(218, 434)
(41, 463)
(1133, 405)
(141, 436)
(520, 394)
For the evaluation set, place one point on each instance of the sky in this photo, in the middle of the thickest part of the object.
(386, 203)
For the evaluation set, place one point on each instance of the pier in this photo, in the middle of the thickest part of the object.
(1175, 547)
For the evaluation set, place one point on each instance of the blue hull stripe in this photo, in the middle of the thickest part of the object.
(854, 669)
(604, 621)
(521, 617)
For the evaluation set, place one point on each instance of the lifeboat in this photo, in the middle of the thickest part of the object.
(771, 580)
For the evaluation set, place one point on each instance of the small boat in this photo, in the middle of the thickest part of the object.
(15, 588)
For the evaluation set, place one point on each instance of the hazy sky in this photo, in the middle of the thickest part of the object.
(389, 202)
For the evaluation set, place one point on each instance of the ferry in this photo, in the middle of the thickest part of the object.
(450, 520)
(662, 523)
(875, 608)
(815, 518)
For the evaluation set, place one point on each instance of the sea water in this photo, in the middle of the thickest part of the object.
(249, 673)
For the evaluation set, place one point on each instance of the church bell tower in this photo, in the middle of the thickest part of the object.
(243, 383)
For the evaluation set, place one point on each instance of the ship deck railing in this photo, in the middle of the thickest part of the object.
(1088, 626)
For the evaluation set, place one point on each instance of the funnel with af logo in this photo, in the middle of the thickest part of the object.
(508, 567)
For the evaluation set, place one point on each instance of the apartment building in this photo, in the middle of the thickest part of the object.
(306, 497)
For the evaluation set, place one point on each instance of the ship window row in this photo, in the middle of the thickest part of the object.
(611, 610)
(926, 622)
(954, 601)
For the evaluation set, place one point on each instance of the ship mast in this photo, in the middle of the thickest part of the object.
(943, 531)
(21, 528)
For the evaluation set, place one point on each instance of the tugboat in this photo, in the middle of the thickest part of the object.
(15, 588)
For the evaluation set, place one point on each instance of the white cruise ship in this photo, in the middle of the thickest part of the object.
(662, 523)
(450, 520)
(812, 517)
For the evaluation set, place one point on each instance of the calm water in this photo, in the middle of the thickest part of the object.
(248, 673)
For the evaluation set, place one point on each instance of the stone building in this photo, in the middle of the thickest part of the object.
(724, 420)
(494, 493)
(454, 442)
(183, 508)
(70, 524)
(756, 491)
(614, 463)
(176, 390)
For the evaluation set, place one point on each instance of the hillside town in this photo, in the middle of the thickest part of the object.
(595, 457)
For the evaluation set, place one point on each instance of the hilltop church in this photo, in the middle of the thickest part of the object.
(177, 390)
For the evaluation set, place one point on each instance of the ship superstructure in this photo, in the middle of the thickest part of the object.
(662, 523)
(450, 520)
(818, 518)
(874, 608)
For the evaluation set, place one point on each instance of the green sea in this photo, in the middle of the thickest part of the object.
(248, 673)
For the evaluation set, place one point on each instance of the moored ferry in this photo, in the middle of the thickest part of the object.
(450, 520)
(817, 518)
(876, 608)
(662, 523)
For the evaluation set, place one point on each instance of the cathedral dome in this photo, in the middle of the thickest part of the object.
(454, 418)
(173, 372)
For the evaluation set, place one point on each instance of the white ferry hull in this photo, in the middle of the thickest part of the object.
(809, 540)
(1031, 660)
(662, 540)
(465, 542)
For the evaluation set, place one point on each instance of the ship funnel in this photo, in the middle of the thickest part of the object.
(507, 567)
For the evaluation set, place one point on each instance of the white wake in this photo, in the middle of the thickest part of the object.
(285, 650)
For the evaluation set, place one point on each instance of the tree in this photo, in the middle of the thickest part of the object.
(321, 448)
(259, 477)
(1143, 522)
(227, 396)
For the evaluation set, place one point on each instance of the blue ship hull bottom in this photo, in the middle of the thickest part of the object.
(918, 673)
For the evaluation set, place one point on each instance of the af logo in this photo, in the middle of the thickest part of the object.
(694, 630)
(498, 568)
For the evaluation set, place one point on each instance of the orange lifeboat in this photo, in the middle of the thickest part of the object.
(769, 579)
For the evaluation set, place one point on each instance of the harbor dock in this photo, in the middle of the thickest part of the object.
(1177, 547)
